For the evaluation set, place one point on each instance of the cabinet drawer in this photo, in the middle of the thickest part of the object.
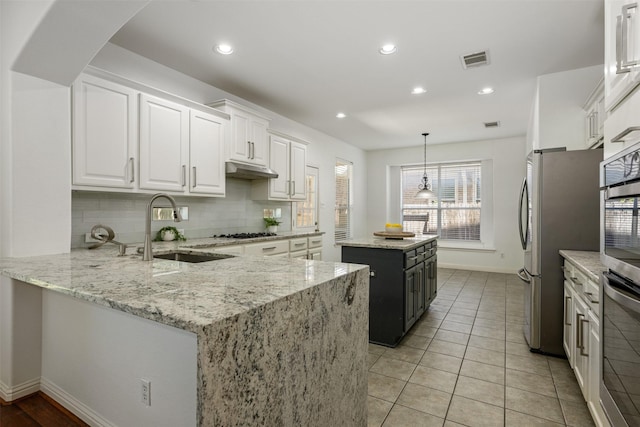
(411, 258)
(237, 249)
(268, 248)
(298, 254)
(315, 242)
(298, 244)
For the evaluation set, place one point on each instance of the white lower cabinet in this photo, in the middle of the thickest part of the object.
(581, 339)
(269, 248)
(567, 337)
(581, 357)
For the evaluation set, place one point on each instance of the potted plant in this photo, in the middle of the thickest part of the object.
(169, 233)
(271, 224)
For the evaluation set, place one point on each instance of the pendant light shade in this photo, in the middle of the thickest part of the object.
(425, 188)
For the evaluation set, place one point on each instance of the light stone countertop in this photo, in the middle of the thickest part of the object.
(587, 262)
(234, 306)
(179, 294)
(405, 244)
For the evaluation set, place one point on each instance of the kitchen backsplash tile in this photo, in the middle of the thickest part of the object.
(125, 213)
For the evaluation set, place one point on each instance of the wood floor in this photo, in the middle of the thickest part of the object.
(37, 410)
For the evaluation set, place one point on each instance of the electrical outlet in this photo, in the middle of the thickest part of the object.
(146, 391)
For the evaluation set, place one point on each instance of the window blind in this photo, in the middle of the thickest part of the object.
(343, 172)
(455, 213)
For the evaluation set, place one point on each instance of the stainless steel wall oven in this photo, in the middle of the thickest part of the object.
(620, 289)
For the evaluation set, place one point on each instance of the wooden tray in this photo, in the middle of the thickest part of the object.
(397, 235)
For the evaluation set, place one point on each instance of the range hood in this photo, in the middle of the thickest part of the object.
(244, 171)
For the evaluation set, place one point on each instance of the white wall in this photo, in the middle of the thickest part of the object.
(500, 251)
(558, 117)
(322, 150)
(95, 366)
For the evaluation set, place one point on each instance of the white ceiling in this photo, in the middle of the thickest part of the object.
(308, 60)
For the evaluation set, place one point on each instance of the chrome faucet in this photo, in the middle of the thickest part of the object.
(147, 253)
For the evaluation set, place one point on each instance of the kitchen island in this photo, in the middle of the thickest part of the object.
(403, 282)
(279, 341)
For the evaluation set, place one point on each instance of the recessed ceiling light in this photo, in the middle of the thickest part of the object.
(486, 91)
(418, 90)
(341, 115)
(224, 49)
(388, 49)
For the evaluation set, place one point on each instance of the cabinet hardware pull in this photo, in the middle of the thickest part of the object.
(288, 188)
(184, 175)
(132, 170)
(315, 241)
(248, 149)
(582, 352)
(270, 248)
(589, 297)
(298, 244)
(578, 331)
(566, 310)
(575, 280)
(194, 178)
(620, 137)
(253, 150)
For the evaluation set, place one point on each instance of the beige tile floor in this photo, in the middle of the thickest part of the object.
(466, 363)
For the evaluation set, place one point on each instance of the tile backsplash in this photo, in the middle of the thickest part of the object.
(126, 213)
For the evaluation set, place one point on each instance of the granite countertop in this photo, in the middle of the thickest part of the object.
(184, 295)
(587, 262)
(405, 244)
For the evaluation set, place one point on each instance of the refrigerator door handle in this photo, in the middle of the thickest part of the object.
(524, 276)
(523, 236)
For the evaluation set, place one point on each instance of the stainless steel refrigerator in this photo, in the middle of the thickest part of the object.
(559, 209)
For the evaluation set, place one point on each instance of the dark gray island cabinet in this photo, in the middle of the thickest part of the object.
(403, 282)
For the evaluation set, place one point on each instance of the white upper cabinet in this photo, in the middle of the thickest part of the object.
(622, 50)
(207, 138)
(104, 136)
(288, 157)
(249, 140)
(164, 138)
(594, 116)
(128, 137)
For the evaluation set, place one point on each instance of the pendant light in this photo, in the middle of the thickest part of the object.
(425, 188)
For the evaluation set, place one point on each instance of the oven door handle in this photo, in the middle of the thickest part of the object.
(626, 190)
(622, 299)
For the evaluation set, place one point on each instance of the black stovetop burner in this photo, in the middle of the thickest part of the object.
(245, 235)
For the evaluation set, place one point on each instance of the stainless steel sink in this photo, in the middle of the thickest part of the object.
(191, 257)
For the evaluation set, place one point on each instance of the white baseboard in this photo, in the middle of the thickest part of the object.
(477, 268)
(9, 394)
(78, 408)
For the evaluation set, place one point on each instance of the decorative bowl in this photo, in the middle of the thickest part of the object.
(393, 228)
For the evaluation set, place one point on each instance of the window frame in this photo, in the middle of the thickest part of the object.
(477, 188)
(342, 233)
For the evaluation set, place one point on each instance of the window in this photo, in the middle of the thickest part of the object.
(455, 214)
(306, 212)
(344, 199)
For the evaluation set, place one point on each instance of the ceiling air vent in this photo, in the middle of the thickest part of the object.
(475, 59)
(492, 124)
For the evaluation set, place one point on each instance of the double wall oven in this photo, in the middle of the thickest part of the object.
(620, 288)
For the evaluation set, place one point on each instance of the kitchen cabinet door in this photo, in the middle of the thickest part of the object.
(289, 159)
(420, 289)
(567, 336)
(581, 348)
(164, 138)
(249, 140)
(410, 283)
(622, 50)
(206, 154)
(279, 161)
(297, 170)
(104, 133)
